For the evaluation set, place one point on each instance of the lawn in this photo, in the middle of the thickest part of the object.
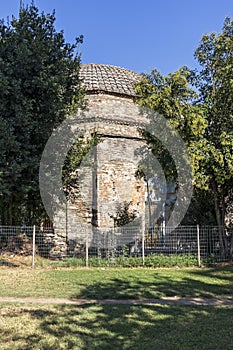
(104, 327)
(116, 283)
(116, 326)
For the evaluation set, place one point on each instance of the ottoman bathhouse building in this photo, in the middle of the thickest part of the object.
(109, 184)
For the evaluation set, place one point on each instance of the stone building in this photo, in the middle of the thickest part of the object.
(109, 182)
(115, 117)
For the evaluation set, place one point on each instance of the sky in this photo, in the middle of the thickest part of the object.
(135, 34)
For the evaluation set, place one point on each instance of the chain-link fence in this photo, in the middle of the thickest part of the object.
(213, 243)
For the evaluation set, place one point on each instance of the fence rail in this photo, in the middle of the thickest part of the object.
(202, 242)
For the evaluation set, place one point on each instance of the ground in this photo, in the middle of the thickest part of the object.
(181, 311)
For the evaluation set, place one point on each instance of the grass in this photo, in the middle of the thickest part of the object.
(126, 327)
(104, 327)
(100, 283)
(152, 260)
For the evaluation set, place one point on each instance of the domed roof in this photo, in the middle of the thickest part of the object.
(109, 79)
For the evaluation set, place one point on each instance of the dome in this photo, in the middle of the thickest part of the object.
(103, 78)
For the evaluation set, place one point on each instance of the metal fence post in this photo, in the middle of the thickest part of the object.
(143, 243)
(33, 245)
(198, 247)
(87, 249)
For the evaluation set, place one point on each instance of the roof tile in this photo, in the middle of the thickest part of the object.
(109, 79)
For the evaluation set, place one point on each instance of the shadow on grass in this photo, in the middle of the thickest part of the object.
(206, 283)
(7, 263)
(136, 327)
(104, 327)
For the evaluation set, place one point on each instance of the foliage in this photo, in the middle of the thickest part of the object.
(213, 162)
(39, 86)
(124, 215)
(172, 97)
(70, 171)
(123, 261)
(203, 117)
(152, 261)
(201, 210)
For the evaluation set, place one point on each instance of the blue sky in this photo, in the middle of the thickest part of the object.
(138, 35)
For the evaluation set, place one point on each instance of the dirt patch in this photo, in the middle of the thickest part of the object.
(9, 259)
(162, 301)
(222, 264)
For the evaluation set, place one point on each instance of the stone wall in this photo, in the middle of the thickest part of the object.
(110, 179)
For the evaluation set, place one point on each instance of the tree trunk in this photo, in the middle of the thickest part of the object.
(219, 205)
(231, 246)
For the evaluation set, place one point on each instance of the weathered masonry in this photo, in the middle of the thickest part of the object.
(116, 118)
(110, 182)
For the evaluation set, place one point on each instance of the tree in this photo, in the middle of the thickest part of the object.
(213, 163)
(203, 118)
(39, 87)
(201, 210)
(172, 97)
